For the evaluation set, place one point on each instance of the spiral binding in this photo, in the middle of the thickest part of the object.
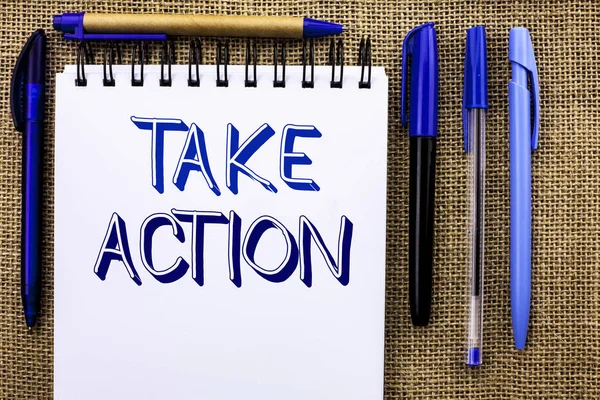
(138, 48)
(311, 59)
(364, 61)
(140, 56)
(167, 55)
(250, 56)
(84, 56)
(276, 82)
(110, 49)
(222, 59)
(336, 56)
(195, 59)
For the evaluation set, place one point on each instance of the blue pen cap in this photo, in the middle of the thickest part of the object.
(475, 89)
(421, 44)
(68, 22)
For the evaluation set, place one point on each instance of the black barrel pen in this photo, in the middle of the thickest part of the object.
(421, 45)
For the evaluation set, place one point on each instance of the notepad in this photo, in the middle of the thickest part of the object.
(219, 242)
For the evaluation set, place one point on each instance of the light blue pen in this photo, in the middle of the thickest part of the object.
(522, 140)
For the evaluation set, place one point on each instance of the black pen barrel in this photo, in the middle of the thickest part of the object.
(421, 209)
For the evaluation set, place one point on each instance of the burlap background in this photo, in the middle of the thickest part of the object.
(563, 352)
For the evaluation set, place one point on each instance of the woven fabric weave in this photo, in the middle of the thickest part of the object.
(562, 358)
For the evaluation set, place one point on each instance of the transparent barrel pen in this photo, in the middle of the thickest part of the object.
(476, 186)
(475, 105)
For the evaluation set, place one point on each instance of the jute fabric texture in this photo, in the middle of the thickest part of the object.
(562, 358)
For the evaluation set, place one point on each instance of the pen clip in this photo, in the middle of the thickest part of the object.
(17, 80)
(521, 52)
(81, 36)
(464, 121)
(535, 88)
(407, 50)
(528, 62)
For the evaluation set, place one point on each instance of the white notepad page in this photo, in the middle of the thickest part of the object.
(200, 255)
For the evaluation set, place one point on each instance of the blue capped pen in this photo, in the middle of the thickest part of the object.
(475, 104)
(420, 44)
(27, 105)
(523, 139)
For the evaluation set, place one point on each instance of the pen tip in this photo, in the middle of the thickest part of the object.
(30, 328)
(345, 29)
(30, 321)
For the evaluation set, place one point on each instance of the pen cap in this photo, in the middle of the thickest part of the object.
(475, 88)
(421, 44)
(68, 22)
(522, 58)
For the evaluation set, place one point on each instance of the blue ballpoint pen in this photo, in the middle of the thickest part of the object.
(475, 104)
(27, 106)
(522, 140)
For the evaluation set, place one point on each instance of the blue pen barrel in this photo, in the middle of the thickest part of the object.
(32, 181)
(523, 99)
(31, 219)
(27, 101)
(520, 202)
